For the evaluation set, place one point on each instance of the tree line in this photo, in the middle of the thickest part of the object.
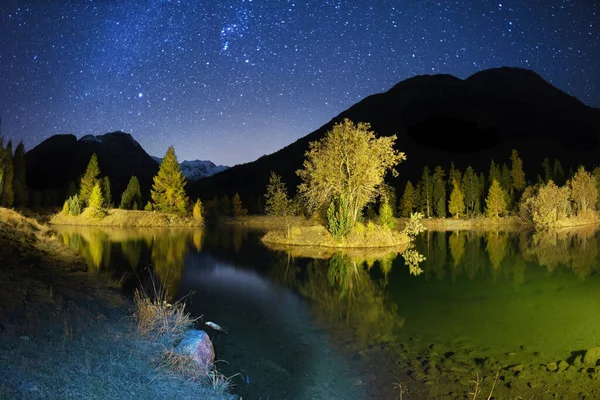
(343, 178)
(13, 182)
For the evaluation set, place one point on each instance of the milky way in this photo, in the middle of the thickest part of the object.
(231, 81)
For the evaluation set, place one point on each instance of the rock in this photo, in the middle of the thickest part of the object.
(197, 344)
(562, 366)
(551, 366)
(578, 362)
(591, 357)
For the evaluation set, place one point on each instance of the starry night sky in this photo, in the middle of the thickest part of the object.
(230, 81)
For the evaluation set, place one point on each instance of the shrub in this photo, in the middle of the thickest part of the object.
(339, 220)
(386, 216)
(72, 205)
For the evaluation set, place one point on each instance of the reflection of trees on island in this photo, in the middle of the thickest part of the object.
(122, 251)
(343, 294)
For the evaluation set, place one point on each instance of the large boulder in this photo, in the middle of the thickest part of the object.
(591, 357)
(197, 344)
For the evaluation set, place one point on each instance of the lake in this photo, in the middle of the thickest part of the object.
(303, 324)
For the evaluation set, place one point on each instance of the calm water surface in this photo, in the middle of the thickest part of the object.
(307, 325)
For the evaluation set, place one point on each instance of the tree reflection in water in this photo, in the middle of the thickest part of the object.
(108, 249)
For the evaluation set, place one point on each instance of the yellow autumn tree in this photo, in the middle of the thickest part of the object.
(346, 169)
(168, 190)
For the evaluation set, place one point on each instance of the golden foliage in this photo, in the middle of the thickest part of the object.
(349, 162)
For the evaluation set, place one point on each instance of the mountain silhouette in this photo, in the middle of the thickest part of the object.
(439, 119)
(62, 159)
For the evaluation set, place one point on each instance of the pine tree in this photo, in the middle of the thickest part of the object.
(96, 200)
(470, 190)
(454, 176)
(427, 192)
(494, 173)
(89, 179)
(457, 201)
(8, 194)
(495, 202)
(439, 192)
(408, 201)
(236, 206)
(106, 192)
(20, 177)
(72, 190)
(516, 172)
(558, 173)
(547, 170)
(277, 202)
(197, 211)
(168, 191)
(131, 199)
(386, 215)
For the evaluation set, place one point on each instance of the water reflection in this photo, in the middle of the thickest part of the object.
(105, 249)
(470, 283)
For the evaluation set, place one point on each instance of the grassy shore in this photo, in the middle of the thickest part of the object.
(361, 236)
(68, 334)
(125, 218)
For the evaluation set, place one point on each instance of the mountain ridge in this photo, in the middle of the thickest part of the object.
(441, 118)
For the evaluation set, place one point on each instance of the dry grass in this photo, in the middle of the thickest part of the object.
(219, 382)
(362, 236)
(185, 366)
(155, 315)
(182, 364)
(118, 217)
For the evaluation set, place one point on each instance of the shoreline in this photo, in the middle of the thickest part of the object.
(57, 320)
(126, 218)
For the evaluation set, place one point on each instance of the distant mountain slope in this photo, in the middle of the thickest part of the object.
(197, 169)
(60, 159)
(441, 118)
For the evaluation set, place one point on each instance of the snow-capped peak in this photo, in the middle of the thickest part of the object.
(197, 169)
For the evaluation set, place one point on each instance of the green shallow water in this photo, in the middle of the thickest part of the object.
(355, 326)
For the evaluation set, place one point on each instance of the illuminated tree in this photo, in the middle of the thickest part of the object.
(131, 199)
(457, 201)
(583, 191)
(386, 215)
(277, 202)
(347, 166)
(96, 200)
(106, 192)
(89, 179)
(168, 191)
(495, 203)
(408, 202)
(197, 211)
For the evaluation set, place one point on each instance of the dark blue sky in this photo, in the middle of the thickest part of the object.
(231, 81)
